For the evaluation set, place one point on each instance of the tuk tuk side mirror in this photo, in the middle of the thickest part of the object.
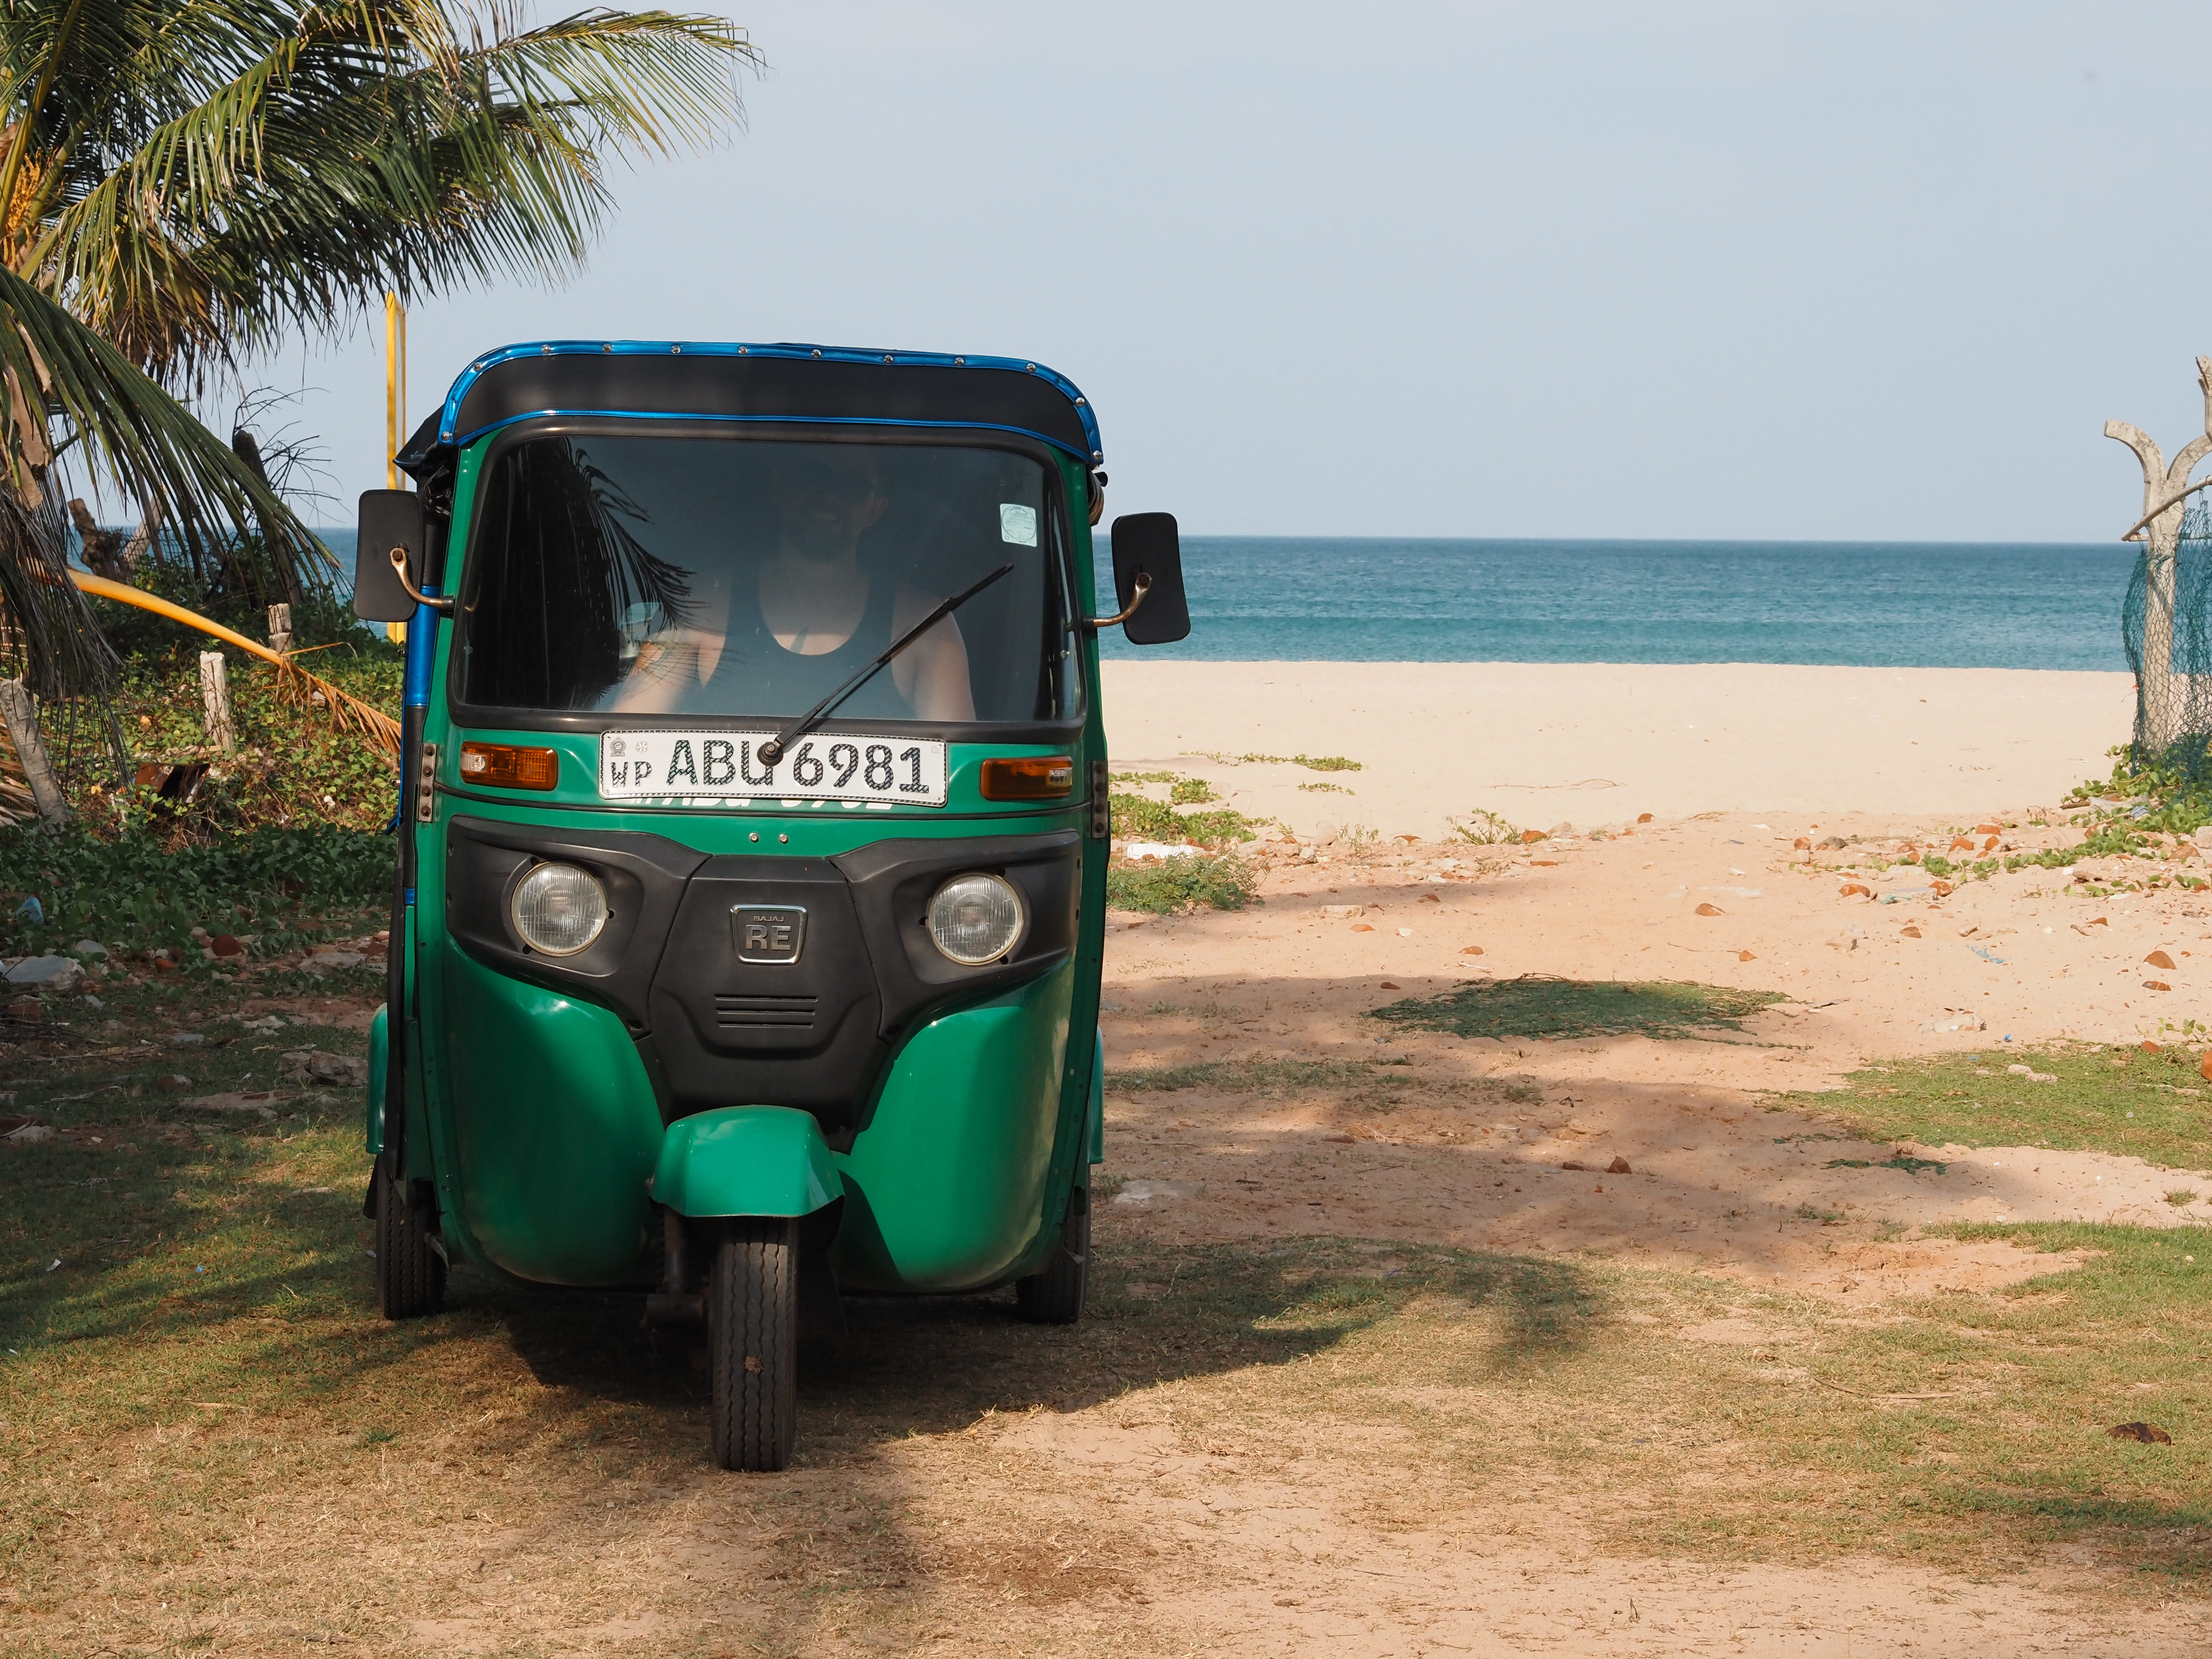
(1148, 580)
(385, 589)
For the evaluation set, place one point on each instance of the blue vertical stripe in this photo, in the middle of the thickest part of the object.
(422, 641)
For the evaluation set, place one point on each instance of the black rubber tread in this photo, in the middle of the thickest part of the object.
(411, 1275)
(1055, 1297)
(752, 1343)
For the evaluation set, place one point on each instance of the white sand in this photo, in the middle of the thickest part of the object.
(1593, 743)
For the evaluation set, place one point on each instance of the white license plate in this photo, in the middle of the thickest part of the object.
(726, 766)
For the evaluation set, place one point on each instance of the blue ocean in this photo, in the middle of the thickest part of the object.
(1902, 605)
(1889, 604)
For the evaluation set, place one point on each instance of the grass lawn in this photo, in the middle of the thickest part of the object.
(1542, 1005)
(2152, 1106)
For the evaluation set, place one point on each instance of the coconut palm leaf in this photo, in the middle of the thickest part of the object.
(124, 428)
(260, 168)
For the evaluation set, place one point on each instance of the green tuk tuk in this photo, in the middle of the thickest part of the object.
(753, 837)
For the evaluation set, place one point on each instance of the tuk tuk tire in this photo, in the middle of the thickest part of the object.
(410, 1273)
(752, 1343)
(1055, 1297)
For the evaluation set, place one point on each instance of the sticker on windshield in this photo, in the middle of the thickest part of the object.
(726, 766)
(1017, 524)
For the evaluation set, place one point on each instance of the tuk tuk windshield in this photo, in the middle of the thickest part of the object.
(638, 574)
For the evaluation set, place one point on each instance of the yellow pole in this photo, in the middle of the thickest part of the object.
(395, 403)
(391, 374)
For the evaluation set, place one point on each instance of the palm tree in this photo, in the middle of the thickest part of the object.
(183, 183)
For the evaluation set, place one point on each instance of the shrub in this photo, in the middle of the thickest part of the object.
(1170, 886)
(1483, 828)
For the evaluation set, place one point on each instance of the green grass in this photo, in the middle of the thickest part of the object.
(1246, 1077)
(1536, 1005)
(2106, 1100)
(1178, 885)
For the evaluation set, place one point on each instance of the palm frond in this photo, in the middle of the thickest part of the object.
(358, 147)
(129, 430)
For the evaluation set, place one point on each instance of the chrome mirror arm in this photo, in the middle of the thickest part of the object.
(1143, 585)
(398, 557)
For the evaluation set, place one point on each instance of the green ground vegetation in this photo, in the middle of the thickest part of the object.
(1246, 1077)
(1483, 828)
(1141, 817)
(1538, 1006)
(1218, 879)
(134, 894)
(2141, 812)
(279, 838)
(2152, 1106)
(290, 765)
(1174, 886)
(1311, 762)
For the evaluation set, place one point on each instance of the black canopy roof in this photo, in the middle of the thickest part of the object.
(831, 385)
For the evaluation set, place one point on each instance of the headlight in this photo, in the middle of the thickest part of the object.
(559, 909)
(975, 919)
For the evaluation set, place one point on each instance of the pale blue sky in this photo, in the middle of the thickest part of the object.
(1835, 269)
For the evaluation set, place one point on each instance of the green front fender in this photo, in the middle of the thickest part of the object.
(745, 1160)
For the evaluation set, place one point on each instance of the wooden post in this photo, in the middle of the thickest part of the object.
(22, 716)
(2161, 700)
(215, 698)
(280, 629)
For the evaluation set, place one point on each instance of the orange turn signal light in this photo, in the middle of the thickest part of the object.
(503, 766)
(1040, 777)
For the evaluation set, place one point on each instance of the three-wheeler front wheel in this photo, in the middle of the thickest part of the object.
(752, 1342)
(1055, 1297)
(410, 1273)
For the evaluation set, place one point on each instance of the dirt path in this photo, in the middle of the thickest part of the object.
(1437, 1139)
(1469, 1148)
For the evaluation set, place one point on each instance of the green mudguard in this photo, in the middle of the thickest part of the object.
(746, 1160)
(380, 1055)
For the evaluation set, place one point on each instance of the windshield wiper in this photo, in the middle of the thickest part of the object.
(773, 750)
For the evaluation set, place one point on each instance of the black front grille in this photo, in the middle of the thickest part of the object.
(786, 1013)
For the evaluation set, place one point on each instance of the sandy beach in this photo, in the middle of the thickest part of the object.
(1591, 743)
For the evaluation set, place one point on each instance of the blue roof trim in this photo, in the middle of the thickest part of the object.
(450, 416)
(468, 438)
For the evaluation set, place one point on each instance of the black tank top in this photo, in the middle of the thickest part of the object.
(757, 676)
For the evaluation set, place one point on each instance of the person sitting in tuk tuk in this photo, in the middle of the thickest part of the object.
(799, 622)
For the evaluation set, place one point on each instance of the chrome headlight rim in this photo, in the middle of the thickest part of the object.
(1014, 936)
(542, 873)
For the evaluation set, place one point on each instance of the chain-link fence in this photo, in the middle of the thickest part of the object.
(2166, 623)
